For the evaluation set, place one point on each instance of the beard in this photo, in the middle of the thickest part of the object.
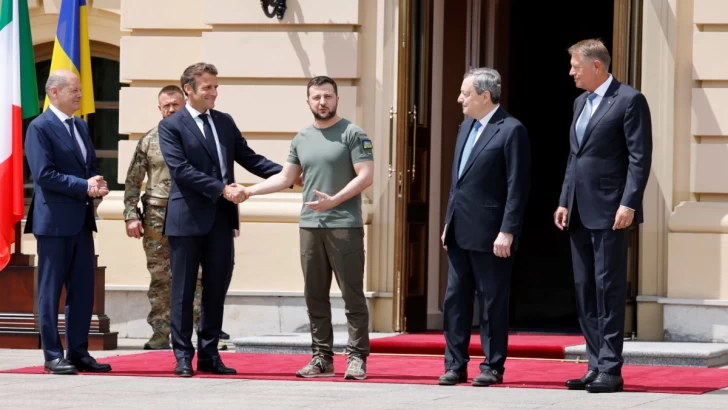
(330, 114)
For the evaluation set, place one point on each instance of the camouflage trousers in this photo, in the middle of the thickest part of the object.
(160, 270)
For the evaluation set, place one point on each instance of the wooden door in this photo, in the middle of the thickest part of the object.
(412, 170)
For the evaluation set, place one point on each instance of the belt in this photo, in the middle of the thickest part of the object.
(152, 234)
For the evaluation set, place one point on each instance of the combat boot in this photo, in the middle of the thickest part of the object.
(159, 341)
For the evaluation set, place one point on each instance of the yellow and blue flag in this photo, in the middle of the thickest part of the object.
(72, 50)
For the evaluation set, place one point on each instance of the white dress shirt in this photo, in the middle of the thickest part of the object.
(600, 91)
(484, 122)
(63, 117)
(196, 115)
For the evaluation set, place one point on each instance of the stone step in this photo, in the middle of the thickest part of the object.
(665, 353)
(291, 343)
(635, 352)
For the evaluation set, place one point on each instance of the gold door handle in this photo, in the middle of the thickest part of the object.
(414, 139)
(391, 127)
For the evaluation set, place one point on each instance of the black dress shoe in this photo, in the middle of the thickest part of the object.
(215, 366)
(224, 336)
(606, 383)
(89, 364)
(59, 366)
(488, 377)
(580, 384)
(453, 377)
(184, 367)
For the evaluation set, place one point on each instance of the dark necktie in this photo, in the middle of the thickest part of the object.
(210, 141)
(76, 138)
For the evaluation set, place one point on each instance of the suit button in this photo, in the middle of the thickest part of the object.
(214, 169)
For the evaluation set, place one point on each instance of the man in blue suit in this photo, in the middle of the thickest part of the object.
(200, 146)
(66, 177)
(490, 183)
(606, 175)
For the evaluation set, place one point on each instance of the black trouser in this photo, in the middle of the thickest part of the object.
(488, 277)
(599, 258)
(213, 251)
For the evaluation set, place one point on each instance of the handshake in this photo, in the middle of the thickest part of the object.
(97, 187)
(236, 193)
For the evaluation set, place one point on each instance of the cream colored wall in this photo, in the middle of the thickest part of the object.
(264, 65)
(683, 252)
(698, 255)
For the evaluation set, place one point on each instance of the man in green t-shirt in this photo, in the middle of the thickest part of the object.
(336, 159)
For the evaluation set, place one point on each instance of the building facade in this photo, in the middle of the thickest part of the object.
(399, 64)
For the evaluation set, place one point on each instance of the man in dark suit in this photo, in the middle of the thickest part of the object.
(66, 177)
(200, 146)
(606, 175)
(488, 194)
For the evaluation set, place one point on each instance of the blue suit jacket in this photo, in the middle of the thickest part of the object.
(611, 166)
(490, 196)
(195, 188)
(60, 204)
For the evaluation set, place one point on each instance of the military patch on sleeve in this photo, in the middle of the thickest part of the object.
(367, 144)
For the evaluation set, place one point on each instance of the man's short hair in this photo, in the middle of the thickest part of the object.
(194, 71)
(322, 79)
(170, 89)
(592, 49)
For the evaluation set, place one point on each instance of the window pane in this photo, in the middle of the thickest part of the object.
(104, 127)
(105, 79)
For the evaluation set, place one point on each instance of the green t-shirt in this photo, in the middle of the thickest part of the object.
(327, 157)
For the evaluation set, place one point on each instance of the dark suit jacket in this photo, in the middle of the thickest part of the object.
(60, 204)
(611, 166)
(195, 188)
(490, 196)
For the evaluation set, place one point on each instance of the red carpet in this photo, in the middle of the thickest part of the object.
(422, 370)
(533, 346)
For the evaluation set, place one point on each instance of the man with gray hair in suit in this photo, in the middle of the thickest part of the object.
(490, 183)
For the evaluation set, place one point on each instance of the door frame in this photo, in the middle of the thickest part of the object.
(405, 170)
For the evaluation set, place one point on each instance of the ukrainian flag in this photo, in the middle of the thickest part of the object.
(72, 50)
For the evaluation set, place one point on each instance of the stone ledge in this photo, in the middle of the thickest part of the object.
(683, 301)
(256, 293)
(699, 217)
(292, 343)
(665, 353)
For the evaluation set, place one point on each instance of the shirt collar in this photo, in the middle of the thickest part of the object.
(484, 121)
(60, 114)
(602, 89)
(193, 112)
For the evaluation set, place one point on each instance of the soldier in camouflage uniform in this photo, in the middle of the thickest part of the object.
(149, 224)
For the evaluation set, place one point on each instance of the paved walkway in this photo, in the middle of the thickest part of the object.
(106, 392)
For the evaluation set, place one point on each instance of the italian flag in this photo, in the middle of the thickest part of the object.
(18, 100)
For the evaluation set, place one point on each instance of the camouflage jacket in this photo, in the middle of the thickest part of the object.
(146, 162)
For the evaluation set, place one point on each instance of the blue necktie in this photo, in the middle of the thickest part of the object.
(468, 147)
(584, 118)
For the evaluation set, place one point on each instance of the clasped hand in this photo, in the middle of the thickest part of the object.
(97, 187)
(235, 193)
